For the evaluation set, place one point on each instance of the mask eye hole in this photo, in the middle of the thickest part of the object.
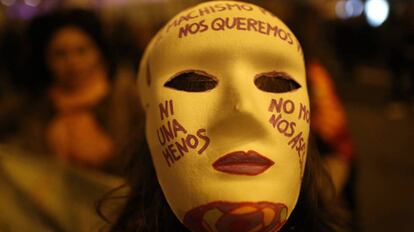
(275, 82)
(192, 81)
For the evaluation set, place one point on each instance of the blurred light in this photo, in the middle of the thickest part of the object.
(8, 2)
(33, 3)
(349, 8)
(354, 8)
(376, 12)
(340, 10)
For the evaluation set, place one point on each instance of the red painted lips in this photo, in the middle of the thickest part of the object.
(248, 163)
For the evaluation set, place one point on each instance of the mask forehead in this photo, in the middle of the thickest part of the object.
(246, 35)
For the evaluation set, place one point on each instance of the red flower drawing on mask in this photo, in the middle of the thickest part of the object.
(236, 217)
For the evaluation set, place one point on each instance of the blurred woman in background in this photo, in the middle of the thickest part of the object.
(74, 77)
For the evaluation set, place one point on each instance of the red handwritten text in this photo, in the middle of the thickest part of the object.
(279, 107)
(175, 139)
(239, 24)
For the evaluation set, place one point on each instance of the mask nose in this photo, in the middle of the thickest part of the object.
(241, 99)
(239, 122)
(241, 106)
(237, 129)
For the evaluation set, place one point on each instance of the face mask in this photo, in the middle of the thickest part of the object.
(227, 116)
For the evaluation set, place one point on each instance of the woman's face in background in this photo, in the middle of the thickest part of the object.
(72, 57)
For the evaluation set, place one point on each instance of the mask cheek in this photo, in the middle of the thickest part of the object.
(173, 135)
(288, 117)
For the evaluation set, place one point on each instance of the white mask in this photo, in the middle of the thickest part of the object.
(227, 116)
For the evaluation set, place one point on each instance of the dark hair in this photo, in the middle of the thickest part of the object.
(41, 30)
(146, 209)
